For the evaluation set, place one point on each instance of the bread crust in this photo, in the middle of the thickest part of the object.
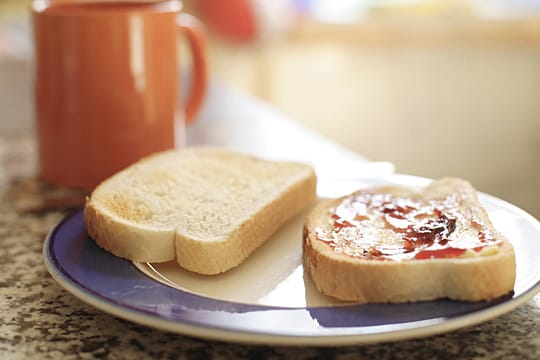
(364, 280)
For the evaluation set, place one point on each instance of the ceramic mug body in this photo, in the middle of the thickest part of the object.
(106, 86)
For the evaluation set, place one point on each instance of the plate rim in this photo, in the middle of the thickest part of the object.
(315, 337)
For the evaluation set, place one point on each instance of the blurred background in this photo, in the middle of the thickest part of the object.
(439, 88)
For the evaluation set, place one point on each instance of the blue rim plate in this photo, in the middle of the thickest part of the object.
(116, 286)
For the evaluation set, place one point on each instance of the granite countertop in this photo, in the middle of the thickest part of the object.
(40, 320)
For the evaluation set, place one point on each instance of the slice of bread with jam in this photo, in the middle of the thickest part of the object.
(393, 244)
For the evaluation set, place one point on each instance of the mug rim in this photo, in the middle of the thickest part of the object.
(71, 7)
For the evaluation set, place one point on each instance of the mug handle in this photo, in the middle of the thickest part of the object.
(197, 42)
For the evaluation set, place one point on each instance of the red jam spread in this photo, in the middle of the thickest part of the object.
(379, 225)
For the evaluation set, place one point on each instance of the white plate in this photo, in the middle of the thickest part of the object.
(268, 299)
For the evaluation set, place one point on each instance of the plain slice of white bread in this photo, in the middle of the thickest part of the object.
(208, 208)
(359, 270)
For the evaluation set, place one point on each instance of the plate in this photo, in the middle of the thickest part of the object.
(267, 299)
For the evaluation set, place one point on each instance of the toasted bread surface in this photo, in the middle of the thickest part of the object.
(208, 208)
(393, 244)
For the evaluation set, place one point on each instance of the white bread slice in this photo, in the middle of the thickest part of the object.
(208, 208)
(407, 273)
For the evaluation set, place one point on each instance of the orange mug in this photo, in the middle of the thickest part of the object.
(107, 84)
